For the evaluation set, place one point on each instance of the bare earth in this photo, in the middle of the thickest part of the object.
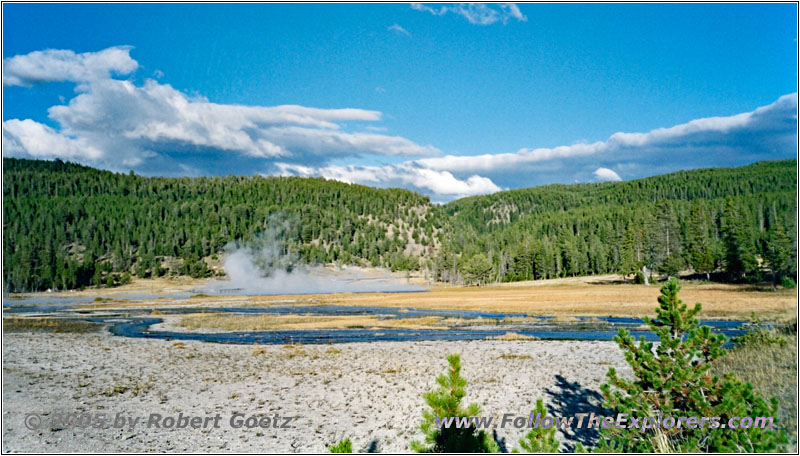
(370, 392)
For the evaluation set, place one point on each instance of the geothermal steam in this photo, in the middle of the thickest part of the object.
(266, 266)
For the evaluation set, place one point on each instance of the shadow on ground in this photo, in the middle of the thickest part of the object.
(568, 398)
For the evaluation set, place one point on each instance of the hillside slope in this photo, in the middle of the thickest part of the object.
(67, 226)
(709, 219)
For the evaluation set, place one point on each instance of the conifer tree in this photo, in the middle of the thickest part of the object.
(701, 250)
(779, 254)
(446, 402)
(477, 269)
(740, 256)
(539, 439)
(672, 380)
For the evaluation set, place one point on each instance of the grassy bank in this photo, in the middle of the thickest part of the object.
(772, 369)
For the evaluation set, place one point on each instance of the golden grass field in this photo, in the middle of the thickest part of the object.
(229, 322)
(584, 296)
(577, 298)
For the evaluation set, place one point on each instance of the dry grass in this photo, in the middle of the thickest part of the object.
(585, 296)
(513, 336)
(585, 299)
(772, 370)
(228, 322)
(514, 356)
(20, 324)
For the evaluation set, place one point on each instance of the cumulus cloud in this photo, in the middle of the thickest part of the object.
(116, 123)
(398, 29)
(30, 139)
(477, 13)
(605, 174)
(510, 161)
(441, 184)
(156, 129)
(767, 133)
(65, 65)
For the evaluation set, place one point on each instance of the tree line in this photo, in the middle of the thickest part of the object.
(68, 226)
(735, 223)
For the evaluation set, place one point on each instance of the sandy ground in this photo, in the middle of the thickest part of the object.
(370, 392)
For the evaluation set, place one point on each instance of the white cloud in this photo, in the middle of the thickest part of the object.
(65, 65)
(156, 129)
(398, 29)
(765, 133)
(408, 174)
(509, 161)
(734, 134)
(30, 139)
(477, 13)
(125, 123)
(605, 174)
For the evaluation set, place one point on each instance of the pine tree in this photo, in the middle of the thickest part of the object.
(779, 254)
(672, 380)
(477, 269)
(446, 402)
(739, 253)
(539, 439)
(701, 251)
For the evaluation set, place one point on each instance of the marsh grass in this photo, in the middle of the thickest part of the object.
(229, 322)
(772, 370)
(55, 325)
(582, 296)
(514, 336)
(294, 350)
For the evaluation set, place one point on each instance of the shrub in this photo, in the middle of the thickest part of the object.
(672, 380)
(788, 282)
(446, 402)
(343, 446)
(540, 439)
(756, 334)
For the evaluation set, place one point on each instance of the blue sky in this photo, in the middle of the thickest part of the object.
(449, 100)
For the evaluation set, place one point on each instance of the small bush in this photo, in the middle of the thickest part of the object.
(756, 334)
(343, 446)
(788, 282)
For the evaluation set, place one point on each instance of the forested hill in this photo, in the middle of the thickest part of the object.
(68, 226)
(490, 212)
(735, 221)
